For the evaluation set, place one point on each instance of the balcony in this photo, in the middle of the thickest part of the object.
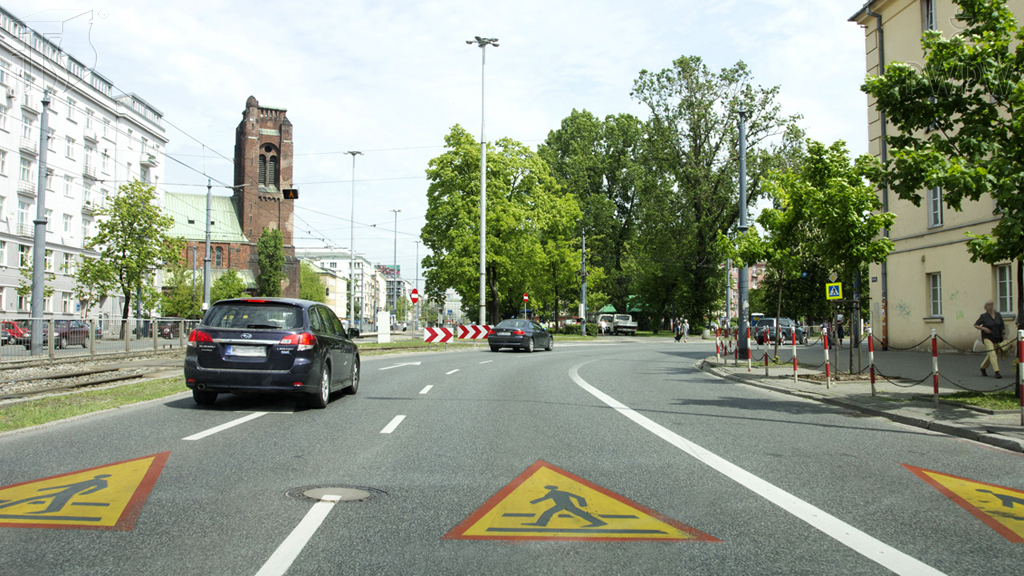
(26, 188)
(27, 230)
(88, 208)
(89, 134)
(29, 146)
(30, 105)
(147, 160)
(89, 172)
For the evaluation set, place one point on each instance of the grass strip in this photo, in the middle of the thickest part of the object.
(1004, 400)
(43, 410)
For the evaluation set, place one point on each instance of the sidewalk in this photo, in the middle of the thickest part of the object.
(900, 399)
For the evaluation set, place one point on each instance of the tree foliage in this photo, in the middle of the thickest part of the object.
(228, 285)
(960, 125)
(132, 243)
(311, 286)
(183, 296)
(270, 252)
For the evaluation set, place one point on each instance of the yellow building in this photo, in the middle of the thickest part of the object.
(929, 281)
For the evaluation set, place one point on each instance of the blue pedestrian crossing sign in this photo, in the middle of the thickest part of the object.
(834, 291)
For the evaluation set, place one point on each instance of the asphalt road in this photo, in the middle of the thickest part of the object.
(785, 486)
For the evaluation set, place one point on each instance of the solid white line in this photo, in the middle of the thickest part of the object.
(426, 389)
(842, 532)
(486, 361)
(451, 372)
(393, 424)
(225, 426)
(289, 550)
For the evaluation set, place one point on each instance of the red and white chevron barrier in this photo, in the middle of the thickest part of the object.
(473, 332)
(437, 334)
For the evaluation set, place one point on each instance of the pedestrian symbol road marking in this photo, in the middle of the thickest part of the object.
(1000, 507)
(548, 503)
(834, 291)
(102, 498)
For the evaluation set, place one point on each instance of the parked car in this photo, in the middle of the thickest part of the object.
(169, 327)
(5, 337)
(67, 333)
(522, 334)
(276, 345)
(623, 324)
(16, 329)
(765, 330)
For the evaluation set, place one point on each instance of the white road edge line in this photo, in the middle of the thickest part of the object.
(487, 361)
(451, 372)
(393, 424)
(426, 388)
(225, 426)
(289, 550)
(845, 534)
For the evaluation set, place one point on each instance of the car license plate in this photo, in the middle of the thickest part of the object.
(246, 351)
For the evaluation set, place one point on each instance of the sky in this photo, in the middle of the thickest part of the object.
(390, 78)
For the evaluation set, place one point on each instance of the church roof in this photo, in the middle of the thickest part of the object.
(189, 213)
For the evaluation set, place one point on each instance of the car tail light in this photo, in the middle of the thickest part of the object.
(304, 341)
(198, 336)
(491, 332)
(518, 333)
(250, 300)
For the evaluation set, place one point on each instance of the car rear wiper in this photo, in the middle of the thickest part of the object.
(262, 326)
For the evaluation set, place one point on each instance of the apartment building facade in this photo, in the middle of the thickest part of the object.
(98, 139)
(368, 284)
(336, 285)
(928, 281)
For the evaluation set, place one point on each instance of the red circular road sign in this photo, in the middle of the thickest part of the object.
(526, 297)
(414, 296)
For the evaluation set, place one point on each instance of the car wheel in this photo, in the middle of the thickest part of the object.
(551, 344)
(529, 345)
(495, 348)
(353, 380)
(204, 397)
(323, 395)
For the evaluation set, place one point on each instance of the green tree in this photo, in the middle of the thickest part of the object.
(183, 296)
(960, 125)
(228, 285)
(132, 243)
(270, 251)
(311, 287)
(693, 137)
(25, 278)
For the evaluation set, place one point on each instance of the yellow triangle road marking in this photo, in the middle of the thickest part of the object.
(106, 497)
(548, 503)
(1000, 507)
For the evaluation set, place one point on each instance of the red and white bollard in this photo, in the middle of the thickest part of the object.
(1020, 372)
(718, 347)
(935, 368)
(828, 366)
(795, 378)
(765, 363)
(749, 359)
(871, 359)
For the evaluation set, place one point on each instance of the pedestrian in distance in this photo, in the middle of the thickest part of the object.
(686, 330)
(992, 328)
(677, 329)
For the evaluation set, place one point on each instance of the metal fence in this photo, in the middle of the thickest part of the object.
(29, 338)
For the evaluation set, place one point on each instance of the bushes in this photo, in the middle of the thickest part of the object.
(574, 329)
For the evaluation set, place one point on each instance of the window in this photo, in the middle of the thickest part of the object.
(3, 118)
(130, 134)
(48, 260)
(928, 20)
(145, 144)
(65, 300)
(23, 214)
(5, 72)
(90, 152)
(89, 116)
(24, 256)
(87, 192)
(67, 224)
(69, 147)
(935, 294)
(26, 128)
(23, 303)
(105, 159)
(26, 170)
(71, 109)
(106, 127)
(3, 168)
(1004, 289)
(69, 264)
(3, 202)
(935, 207)
(86, 230)
(48, 304)
(49, 179)
(272, 172)
(49, 220)
(3, 253)
(68, 185)
(218, 257)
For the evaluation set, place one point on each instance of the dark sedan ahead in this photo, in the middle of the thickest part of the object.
(270, 345)
(520, 334)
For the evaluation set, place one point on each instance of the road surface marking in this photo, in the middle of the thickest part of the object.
(451, 372)
(996, 506)
(225, 426)
(400, 365)
(393, 424)
(426, 388)
(289, 550)
(487, 361)
(858, 541)
(548, 503)
(108, 497)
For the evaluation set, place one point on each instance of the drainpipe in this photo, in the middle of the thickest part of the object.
(880, 39)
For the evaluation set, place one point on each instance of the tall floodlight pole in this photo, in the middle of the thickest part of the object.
(352, 249)
(206, 260)
(416, 321)
(583, 287)
(743, 284)
(394, 271)
(483, 43)
(39, 238)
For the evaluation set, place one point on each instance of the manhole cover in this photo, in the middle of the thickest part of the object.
(338, 493)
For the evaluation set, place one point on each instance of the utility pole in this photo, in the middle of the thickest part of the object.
(583, 285)
(195, 249)
(394, 271)
(352, 252)
(39, 238)
(743, 285)
(206, 260)
(483, 43)
(416, 322)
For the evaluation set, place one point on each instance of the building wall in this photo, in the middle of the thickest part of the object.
(368, 284)
(922, 248)
(98, 140)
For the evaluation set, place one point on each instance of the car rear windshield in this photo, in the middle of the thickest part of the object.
(767, 322)
(514, 324)
(254, 316)
(623, 318)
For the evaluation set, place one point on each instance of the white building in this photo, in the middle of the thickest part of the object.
(369, 285)
(98, 140)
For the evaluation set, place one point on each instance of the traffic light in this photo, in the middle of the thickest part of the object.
(290, 193)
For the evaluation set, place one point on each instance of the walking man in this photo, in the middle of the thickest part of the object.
(564, 503)
(686, 330)
(991, 325)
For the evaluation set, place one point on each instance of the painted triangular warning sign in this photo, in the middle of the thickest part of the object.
(1000, 507)
(106, 497)
(548, 503)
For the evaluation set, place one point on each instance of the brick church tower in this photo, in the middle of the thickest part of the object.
(263, 167)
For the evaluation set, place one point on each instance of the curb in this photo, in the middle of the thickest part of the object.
(940, 426)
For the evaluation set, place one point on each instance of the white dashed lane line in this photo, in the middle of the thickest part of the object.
(486, 361)
(225, 426)
(451, 372)
(393, 424)
(426, 389)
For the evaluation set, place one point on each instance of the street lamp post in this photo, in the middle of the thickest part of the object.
(483, 43)
(416, 321)
(352, 249)
(394, 271)
(743, 284)
(39, 237)
(206, 260)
